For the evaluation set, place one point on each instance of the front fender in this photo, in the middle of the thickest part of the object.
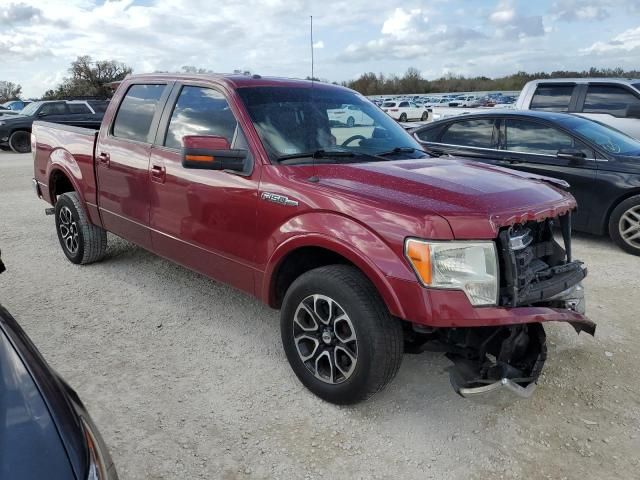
(348, 238)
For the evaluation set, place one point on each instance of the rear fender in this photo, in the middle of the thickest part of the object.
(346, 237)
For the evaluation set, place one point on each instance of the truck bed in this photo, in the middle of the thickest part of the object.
(69, 148)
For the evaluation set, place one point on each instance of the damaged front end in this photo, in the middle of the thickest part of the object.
(535, 271)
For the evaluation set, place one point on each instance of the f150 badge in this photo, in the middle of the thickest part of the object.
(281, 199)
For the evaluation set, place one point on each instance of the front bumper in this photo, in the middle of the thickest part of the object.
(451, 308)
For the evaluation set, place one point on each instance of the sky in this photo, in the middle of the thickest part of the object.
(40, 38)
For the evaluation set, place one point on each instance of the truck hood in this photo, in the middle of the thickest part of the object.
(476, 199)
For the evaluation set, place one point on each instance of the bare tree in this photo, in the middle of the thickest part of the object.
(89, 79)
(9, 91)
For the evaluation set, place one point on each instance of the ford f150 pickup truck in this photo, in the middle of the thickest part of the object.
(369, 246)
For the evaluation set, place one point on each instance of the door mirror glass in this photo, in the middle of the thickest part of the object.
(211, 152)
(633, 111)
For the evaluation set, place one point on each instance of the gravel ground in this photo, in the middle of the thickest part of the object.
(186, 377)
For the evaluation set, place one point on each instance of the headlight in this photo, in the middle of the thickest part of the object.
(460, 265)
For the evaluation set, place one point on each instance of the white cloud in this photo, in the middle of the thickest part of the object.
(402, 24)
(626, 41)
(318, 44)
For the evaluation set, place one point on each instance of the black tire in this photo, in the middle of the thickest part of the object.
(378, 336)
(20, 141)
(626, 217)
(81, 241)
(403, 117)
(425, 116)
(351, 122)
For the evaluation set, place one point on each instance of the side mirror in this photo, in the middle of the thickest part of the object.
(211, 152)
(42, 114)
(633, 111)
(571, 154)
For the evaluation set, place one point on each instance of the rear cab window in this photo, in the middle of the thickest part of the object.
(611, 99)
(552, 98)
(136, 112)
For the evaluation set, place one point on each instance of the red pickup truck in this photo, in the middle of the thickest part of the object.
(370, 246)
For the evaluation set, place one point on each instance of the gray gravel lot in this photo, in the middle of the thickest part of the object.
(186, 377)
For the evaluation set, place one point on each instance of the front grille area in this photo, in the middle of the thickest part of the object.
(534, 267)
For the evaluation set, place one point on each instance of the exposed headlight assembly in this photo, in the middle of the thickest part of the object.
(469, 266)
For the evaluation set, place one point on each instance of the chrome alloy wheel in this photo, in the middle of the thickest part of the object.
(325, 339)
(68, 230)
(629, 226)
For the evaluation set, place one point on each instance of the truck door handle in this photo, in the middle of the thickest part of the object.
(158, 173)
(104, 159)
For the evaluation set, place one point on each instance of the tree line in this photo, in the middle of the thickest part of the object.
(89, 78)
(413, 82)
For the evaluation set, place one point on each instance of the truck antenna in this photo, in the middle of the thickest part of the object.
(311, 36)
(314, 178)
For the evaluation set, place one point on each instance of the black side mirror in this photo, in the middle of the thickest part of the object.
(210, 152)
(633, 111)
(572, 154)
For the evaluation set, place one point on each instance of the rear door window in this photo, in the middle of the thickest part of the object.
(609, 99)
(200, 111)
(57, 108)
(532, 137)
(552, 98)
(78, 108)
(136, 112)
(470, 133)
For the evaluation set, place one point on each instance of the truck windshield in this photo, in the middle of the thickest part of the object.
(30, 109)
(299, 120)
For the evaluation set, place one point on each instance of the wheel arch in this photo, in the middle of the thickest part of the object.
(303, 253)
(604, 225)
(63, 174)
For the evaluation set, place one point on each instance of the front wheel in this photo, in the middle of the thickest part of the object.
(81, 241)
(20, 141)
(624, 225)
(425, 116)
(403, 117)
(338, 336)
(351, 122)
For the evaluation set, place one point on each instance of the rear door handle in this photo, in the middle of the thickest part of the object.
(158, 173)
(104, 159)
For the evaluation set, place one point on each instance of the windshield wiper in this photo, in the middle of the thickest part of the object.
(398, 150)
(317, 154)
(331, 154)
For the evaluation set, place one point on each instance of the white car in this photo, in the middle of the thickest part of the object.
(349, 115)
(405, 110)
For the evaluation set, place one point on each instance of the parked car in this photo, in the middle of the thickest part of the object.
(404, 111)
(465, 101)
(7, 112)
(15, 105)
(360, 238)
(613, 101)
(601, 164)
(15, 131)
(349, 115)
(45, 432)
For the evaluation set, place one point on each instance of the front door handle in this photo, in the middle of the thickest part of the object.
(104, 159)
(158, 173)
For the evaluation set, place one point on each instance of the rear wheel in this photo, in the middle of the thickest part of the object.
(81, 241)
(403, 117)
(624, 225)
(338, 336)
(20, 141)
(351, 122)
